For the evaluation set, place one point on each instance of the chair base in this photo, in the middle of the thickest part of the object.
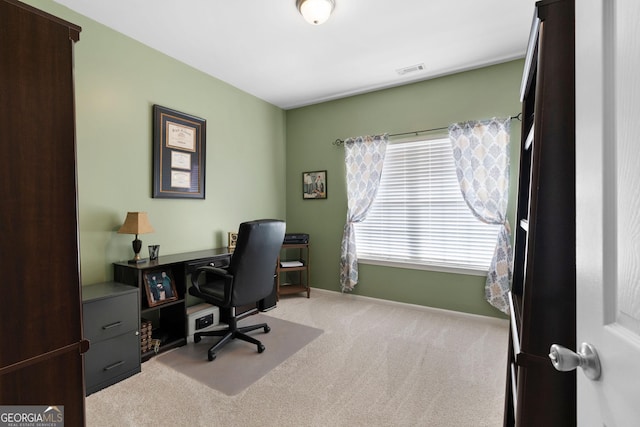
(233, 332)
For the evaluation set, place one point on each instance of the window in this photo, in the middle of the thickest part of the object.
(419, 218)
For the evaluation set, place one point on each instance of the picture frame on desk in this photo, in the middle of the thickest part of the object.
(160, 288)
(233, 240)
(179, 145)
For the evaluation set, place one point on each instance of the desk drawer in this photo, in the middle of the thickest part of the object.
(110, 317)
(219, 262)
(112, 360)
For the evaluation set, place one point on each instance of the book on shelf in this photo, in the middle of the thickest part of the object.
(288, 264)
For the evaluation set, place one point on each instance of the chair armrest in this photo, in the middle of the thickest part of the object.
(221, 272)
(215, 270)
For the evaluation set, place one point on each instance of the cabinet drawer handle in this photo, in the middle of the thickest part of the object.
(115, 365)
(112, 325)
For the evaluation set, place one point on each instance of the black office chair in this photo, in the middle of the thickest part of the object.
(247, 280)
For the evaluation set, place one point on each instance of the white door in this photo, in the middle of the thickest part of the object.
(608, 207)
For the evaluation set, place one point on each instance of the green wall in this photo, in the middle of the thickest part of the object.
(254, 151)
(478, 94)
(117, 80)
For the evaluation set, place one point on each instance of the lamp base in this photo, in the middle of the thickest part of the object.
(137, 245)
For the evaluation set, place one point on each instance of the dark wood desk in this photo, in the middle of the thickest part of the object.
(169, 318)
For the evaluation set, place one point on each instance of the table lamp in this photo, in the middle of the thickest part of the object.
(136, 223)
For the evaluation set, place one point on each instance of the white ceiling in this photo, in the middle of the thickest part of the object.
(265, 48)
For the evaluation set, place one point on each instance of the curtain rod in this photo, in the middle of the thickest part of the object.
(416, 132)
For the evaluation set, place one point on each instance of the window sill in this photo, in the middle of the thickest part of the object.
(428, 267)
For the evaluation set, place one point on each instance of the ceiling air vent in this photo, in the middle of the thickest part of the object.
(410, 69)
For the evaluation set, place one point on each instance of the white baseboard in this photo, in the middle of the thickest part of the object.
(479, 317)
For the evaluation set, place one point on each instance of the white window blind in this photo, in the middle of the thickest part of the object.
(419, 216)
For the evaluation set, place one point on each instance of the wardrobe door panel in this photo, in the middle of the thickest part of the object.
(41, 328)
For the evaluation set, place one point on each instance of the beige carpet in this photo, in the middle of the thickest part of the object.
(376, 364)
(238, 364)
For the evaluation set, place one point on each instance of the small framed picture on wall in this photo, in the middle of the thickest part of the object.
(314, 185)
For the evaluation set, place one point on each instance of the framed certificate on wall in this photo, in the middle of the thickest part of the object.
(179, 143)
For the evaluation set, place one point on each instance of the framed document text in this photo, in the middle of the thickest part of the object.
(179, 142)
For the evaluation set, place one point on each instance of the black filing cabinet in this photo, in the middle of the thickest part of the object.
(111, 320)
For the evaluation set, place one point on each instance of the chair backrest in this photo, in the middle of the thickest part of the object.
(254, 259)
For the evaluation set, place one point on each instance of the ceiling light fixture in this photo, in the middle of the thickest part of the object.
(315, 12)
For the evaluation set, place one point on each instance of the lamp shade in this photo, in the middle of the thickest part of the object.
(315, 12)
(136, 223)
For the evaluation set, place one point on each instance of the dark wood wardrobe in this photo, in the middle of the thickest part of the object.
(41, 344)
(543, 296)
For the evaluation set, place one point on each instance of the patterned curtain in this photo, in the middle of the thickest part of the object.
(364, 157)
(481, 154)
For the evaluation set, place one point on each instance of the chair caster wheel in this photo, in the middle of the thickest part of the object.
(196, 338)
(267, 329)
(211, 356)
(260, 348)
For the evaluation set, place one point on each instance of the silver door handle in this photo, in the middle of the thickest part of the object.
(587, 358)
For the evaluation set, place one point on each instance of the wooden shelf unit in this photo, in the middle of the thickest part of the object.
(301, 273)
(542, 298)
